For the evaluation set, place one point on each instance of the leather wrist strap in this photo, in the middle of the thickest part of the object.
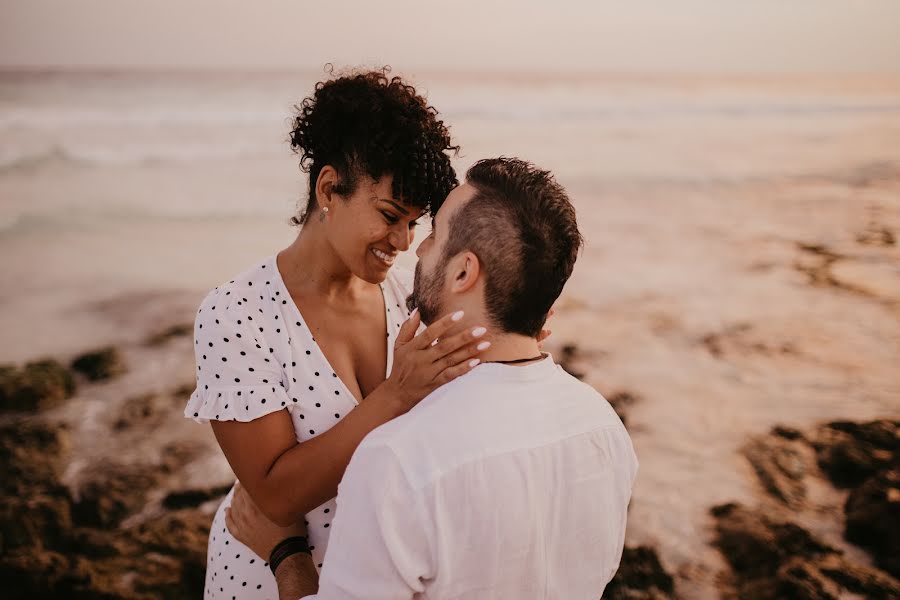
(288, 547)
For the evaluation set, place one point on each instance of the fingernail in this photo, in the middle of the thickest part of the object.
(413, 313)
(479, 331)
(483, 346)
(457, 315)
(474, 362)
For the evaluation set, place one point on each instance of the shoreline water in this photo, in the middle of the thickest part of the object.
(739, 273)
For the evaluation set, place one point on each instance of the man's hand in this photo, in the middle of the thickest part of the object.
(252, 528)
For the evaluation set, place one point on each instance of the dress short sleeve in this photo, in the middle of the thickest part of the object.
(238, 376)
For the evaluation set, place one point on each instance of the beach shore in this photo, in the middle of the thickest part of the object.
(741, 273)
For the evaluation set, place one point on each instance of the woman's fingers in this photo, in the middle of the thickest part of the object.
(451, 373)
(451, 344)
(436, 330)
(466, 356)
(408, 330)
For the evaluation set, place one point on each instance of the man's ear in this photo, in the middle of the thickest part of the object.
(325, 183)
(466, 268)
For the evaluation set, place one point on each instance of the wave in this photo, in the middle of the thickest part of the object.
(45, 119)
(588, 113)
(95, 156)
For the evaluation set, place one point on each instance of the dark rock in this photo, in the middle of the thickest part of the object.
(31, 454)
(161, 337)
(569, 354)
(182, 535)
(39, 385)
(97, 365)
(148, 410)
(788, 433)
(860, 579)
(799, 578)
(779, 463)
(849, 453)
(39, 521)
(178, 330)
(176, 454)
(112, 492)
(183, 392)
(876, 235)
(191, 498)
(774, 560)
(620, 401)
(756, 546)
(32, 573)
(641, 576)
(873, 518)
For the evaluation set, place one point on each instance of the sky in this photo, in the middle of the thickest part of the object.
(653, 36)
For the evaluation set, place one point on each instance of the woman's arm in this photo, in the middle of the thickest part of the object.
(287, 479)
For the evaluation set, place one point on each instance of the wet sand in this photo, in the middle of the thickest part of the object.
(739, 273)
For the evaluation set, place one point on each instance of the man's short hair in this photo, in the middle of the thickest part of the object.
(521, 226)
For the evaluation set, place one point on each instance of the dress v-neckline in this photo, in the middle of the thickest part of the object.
(387, 323)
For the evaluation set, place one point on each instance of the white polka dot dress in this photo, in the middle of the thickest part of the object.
(255, 355)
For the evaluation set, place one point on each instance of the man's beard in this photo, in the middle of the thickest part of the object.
(426, 293)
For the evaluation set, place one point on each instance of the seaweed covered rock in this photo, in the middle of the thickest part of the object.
(31, 456)
(194, 497)
(773, 560)
(641, 576)
(101, 364)
(161, 337)
(873, 518)
(39, 385)
(112, 492)
(781, 466)
(849, 453)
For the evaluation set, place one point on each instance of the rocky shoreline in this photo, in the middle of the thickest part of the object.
(127, 529)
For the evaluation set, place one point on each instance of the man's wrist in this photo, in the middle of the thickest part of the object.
(288, 547)
(296, 577)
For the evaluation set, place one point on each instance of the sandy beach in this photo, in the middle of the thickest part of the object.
(741, 272)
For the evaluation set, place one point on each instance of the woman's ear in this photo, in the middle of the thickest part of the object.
(465, 269)
(325, 187)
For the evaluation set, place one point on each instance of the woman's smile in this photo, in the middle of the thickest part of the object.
(384, 257)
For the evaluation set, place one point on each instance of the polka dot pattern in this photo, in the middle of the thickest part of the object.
(255, 355)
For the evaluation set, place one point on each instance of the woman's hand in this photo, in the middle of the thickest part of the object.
(427, 361)
(252, 528)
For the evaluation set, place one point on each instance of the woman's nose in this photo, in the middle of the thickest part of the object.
(401, 238)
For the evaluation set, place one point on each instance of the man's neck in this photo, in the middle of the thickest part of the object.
(510, 347)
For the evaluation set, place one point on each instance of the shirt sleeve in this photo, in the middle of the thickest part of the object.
(239, 377)
(379, 547)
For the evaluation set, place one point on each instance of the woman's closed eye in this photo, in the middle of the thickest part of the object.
(392, 219)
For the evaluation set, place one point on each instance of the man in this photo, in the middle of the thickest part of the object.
(512, 481)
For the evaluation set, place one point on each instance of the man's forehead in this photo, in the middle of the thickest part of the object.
(455, 200)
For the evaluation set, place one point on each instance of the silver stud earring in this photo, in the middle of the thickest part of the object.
(324, 209)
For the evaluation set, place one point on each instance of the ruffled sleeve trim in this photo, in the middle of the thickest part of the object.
(237, 404)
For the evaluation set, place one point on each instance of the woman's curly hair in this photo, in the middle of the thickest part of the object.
(369, 123)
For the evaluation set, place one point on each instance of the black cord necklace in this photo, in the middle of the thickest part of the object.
(518, 360)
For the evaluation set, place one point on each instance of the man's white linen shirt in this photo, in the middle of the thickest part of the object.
(508, 482)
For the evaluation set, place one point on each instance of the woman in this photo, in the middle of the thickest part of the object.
(293, 355)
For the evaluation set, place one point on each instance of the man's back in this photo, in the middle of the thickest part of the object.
(509, 482)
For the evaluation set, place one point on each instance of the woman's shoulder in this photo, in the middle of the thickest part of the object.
(256, 277)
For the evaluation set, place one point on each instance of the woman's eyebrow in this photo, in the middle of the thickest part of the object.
(399, 208)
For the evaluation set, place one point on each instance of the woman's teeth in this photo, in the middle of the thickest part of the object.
(386, 258)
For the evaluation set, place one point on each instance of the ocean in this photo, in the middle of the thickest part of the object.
(124, 197)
